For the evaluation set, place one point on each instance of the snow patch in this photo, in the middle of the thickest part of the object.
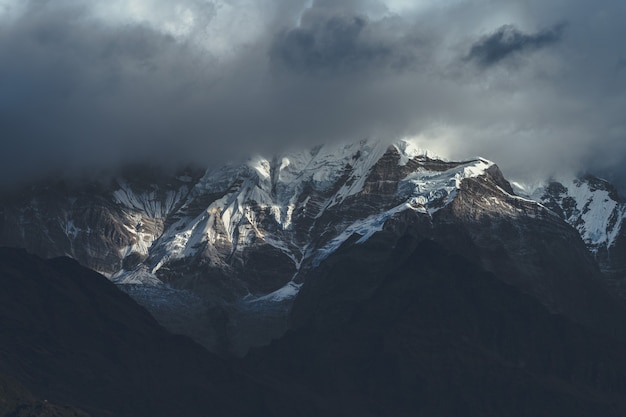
(425, 192)
(289, 291)
(138, 276)
(596, 215)
(596, 208)
(408, 150)
(153, 203)
(71, 231)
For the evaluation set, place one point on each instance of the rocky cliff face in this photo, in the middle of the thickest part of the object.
(594, 207)
(105, 226)
(221, 255)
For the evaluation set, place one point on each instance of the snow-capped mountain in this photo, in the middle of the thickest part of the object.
(220, 255)
(296, 209)
(592, 206)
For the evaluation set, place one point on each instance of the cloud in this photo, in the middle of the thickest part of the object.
(508, 41)
(87, 85)
(75, 89)
(347, 46)
(334, 45)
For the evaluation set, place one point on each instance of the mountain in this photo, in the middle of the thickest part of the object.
(358, 279)
(594, 207)
(221, 255)
(70, 336)
(433, 333)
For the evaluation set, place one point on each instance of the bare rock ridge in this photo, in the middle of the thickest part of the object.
(221, 255)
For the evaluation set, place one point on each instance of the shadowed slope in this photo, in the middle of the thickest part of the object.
(71, 336)
(433, 334)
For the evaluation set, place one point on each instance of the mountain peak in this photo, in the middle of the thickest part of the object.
(243, 236)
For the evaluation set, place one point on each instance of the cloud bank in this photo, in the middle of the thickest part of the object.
(539, 88)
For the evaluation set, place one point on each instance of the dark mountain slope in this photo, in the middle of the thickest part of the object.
(450, 296)
(398, 325)
(17, 401)
(70, 336)
(221, 255)
(434, 334)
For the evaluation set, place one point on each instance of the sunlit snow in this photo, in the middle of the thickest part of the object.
(255, 203)
(597, 216)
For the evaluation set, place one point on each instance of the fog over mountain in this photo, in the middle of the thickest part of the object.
(538, 87)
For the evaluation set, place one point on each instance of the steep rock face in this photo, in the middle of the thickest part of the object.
(594, 208)
(522, 243)
(105, 226)
(517, 240)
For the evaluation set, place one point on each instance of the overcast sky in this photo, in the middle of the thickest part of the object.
(537, 86)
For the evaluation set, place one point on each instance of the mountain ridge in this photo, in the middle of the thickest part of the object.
(218, 254)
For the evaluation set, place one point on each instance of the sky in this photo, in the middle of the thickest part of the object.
(538, 87)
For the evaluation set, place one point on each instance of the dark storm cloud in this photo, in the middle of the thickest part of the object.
(508, 41)
(209, 80)
(337, 45)
(75, 91)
